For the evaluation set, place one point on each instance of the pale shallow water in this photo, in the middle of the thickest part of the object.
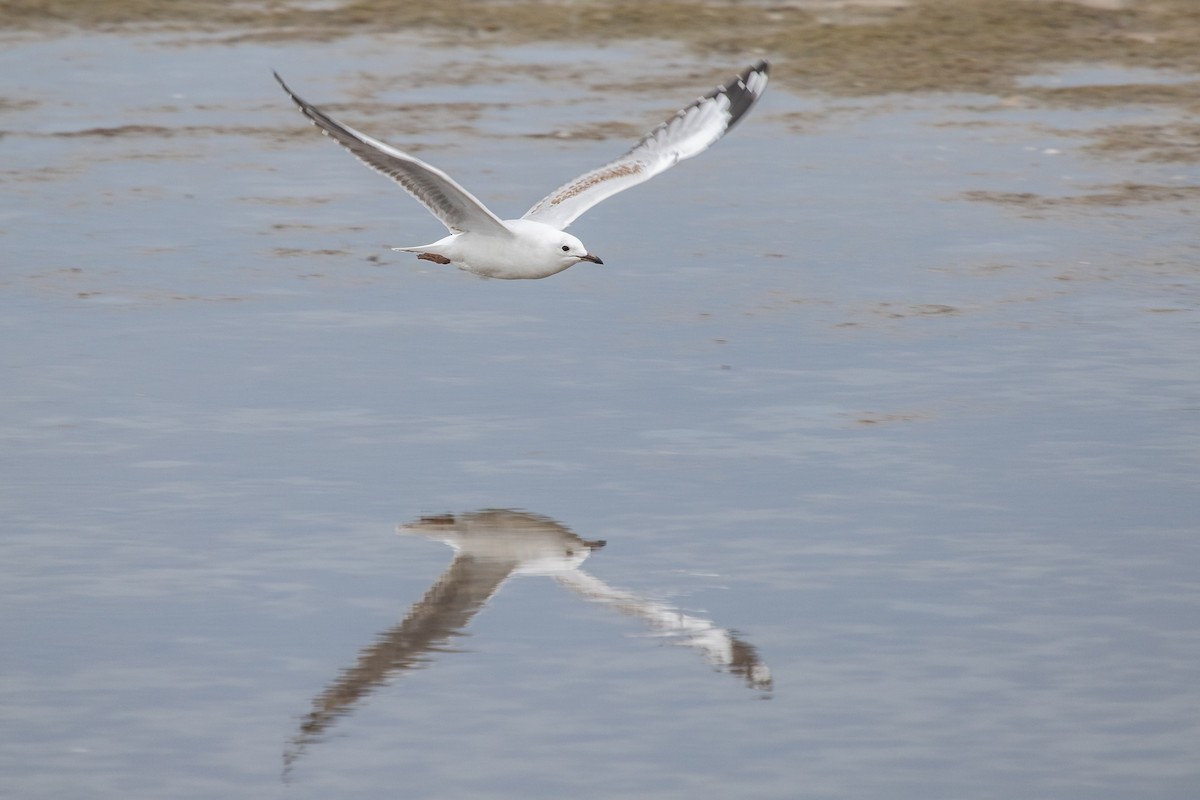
(932, 461)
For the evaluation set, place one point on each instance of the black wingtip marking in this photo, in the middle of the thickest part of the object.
(305, 107)
(740, 93)
(326, 124)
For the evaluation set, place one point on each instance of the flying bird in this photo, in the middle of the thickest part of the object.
(537, 245)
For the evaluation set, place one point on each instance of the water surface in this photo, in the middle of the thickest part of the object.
(896, 472)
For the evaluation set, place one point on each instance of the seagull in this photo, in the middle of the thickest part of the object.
(536, 245)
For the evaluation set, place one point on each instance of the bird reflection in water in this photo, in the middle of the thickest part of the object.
(490, 546)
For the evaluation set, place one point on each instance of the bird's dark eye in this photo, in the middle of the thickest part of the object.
(566, 248)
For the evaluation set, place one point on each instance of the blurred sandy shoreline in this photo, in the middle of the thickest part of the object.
(855, 47)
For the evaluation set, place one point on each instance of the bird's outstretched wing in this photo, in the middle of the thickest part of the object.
(457, 208)
(690, 132)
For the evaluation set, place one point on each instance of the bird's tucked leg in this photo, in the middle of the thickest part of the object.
(434, 257)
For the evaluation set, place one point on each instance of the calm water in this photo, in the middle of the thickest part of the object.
(898, 491)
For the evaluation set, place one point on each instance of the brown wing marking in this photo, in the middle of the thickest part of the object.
(588, 181)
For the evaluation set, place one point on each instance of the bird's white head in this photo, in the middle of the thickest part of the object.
(546, 248)
(571, 250)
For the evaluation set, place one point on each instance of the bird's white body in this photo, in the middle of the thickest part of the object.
(531, 250)
(535, 245)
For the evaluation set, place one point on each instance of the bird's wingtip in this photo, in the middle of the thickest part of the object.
(755, 78)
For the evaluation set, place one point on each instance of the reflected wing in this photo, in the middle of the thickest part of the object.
(439, 617)
(690, 132)
(719, 646)
(452, 204)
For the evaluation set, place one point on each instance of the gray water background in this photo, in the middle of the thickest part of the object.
(934, 458)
